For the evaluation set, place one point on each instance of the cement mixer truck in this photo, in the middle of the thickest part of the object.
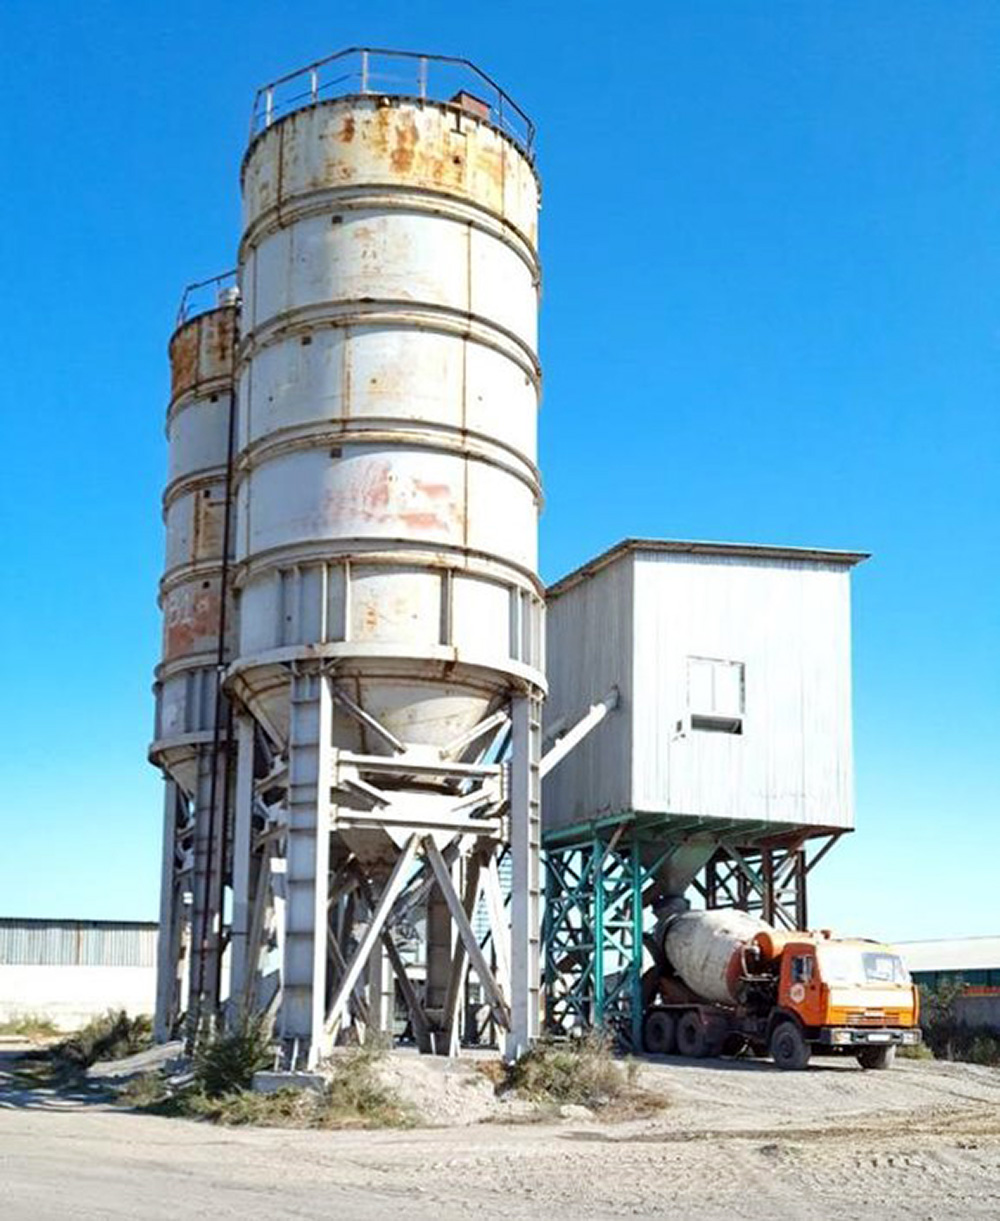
(725, 982)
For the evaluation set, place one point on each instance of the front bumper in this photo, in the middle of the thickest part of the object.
(855, 1036)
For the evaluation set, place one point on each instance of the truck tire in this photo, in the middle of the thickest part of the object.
(692, 1037)
(876, 1057)
(789, 1050)
(659, 1032)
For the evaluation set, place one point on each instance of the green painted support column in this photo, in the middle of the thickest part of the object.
(637, 879)
(597, 875)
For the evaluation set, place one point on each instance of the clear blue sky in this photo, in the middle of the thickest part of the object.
(771, 313)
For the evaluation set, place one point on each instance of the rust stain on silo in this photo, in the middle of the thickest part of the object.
(184, 359)
(407, 136)
(188, 620)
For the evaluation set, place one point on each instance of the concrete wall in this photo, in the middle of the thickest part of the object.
(69, 996)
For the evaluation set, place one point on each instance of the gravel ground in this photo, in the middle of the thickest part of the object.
(736, 1140)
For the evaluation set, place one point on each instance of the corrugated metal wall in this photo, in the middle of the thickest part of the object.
(778, 631)
(788, 623)
(589, 648)
(79, 943)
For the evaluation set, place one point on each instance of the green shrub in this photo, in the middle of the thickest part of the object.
(143, 1092)
(915, 1051)
(946, 1037)
(220, 1092)
(109, 1037)
(224, 1063)
(353, 1097)
(582, 1073)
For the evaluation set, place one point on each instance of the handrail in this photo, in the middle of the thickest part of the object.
(196, 298)
(365, 70)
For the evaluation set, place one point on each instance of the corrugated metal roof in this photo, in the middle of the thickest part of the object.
(83, 943)
(750, 551)
(951, 954)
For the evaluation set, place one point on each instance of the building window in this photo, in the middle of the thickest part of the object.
(715, 694)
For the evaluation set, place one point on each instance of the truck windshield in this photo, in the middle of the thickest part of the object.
(841, 964)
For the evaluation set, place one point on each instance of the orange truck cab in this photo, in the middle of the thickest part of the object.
(849, 996)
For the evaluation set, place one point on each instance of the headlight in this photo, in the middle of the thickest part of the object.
(841, 1036)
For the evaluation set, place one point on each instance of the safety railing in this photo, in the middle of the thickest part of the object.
(208, 294)
(360, 70)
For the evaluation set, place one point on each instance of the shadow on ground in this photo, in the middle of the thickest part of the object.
(28, 1081)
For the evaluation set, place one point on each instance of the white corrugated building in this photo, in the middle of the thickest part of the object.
(68, 971)
(733, 664)
(973, 960)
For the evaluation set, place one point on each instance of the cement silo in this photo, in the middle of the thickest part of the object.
(189, 739)
(386, 498)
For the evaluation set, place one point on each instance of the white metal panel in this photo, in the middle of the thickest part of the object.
(589, 643)
(787, 623)
(197, 436)
(757, 645)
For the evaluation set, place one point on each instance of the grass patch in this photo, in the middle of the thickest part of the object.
(353, 1097)
(582, 1073)
(914, 1051)
(29, 1026)
(64, 1065)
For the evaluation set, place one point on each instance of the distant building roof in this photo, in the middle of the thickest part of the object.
(952, 954)
(750, 551)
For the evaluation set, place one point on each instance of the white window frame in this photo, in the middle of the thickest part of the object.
(716, 717)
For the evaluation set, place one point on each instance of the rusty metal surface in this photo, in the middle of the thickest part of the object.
(386, 73)
(388, 381)
(202, 353)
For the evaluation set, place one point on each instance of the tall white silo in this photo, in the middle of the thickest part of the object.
(386, 506)
(198, 637)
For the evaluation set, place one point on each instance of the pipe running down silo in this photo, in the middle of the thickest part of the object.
(384, 669)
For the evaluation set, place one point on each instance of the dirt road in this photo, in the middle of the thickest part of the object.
(738, 1139)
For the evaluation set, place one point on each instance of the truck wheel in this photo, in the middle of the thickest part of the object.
(789, 1049)
(876, 1057)
(659, 1034)
(692, 1037)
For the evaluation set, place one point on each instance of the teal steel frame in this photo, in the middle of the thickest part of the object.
(602, 879)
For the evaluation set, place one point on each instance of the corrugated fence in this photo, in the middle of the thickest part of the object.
(77, 943)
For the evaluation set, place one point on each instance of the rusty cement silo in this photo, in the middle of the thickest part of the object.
(389, 667)
(198, 639)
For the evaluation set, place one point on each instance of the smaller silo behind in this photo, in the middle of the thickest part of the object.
(198, 630)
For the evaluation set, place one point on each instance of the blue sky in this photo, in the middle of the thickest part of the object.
(771, 313)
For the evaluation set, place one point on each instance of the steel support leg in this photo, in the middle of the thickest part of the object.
(308, 861)
(206, 887)
(171, 911)
(242, 832)
(525, 848)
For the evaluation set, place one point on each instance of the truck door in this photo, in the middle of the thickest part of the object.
(802, 991)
